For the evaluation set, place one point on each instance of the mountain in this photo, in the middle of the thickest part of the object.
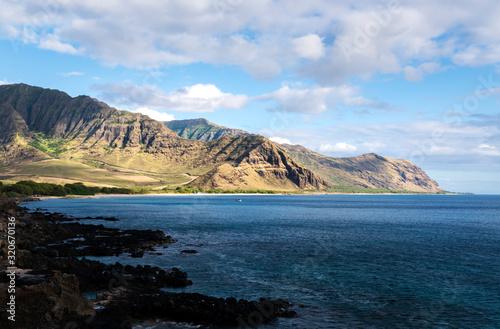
(259, 165)
(367, 171)
(202, 130)
(48, 135)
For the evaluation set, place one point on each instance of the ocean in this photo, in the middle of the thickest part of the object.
(345, 261)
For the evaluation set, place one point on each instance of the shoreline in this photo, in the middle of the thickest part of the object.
(51, 250)
(39, 198)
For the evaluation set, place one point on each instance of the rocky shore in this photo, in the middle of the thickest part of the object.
(52, 272)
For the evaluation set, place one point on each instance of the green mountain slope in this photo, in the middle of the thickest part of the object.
(48, 135)
(202, 130)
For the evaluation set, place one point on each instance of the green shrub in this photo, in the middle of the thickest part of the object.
(21, 189)
(78, 189)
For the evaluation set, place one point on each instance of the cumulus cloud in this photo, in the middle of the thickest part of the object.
(323, 40)
(280, 140)
(309, 46)
(337, 147)
(452, 145)
(486, 149)
(309, 100)
(153, 114)
(317, 99)
(434, 145)
(208, 98)
(415, 74)
(197, 98)
(52, 42)
(481, 150)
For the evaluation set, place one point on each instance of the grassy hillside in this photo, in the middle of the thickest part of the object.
(62, 172)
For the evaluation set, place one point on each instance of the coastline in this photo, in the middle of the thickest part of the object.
(222, 194)
(51, 251)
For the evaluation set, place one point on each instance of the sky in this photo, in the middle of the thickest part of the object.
(418, 80)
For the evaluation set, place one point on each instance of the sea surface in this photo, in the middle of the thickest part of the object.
(346, 261)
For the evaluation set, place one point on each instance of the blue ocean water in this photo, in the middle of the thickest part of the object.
(350, 261)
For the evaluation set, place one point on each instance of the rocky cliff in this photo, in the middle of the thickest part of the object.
(42, 124)
(262, 166)
(365, 171)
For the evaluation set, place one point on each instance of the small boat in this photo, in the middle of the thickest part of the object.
(238, 200)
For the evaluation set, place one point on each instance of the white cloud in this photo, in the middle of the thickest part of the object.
(373, 146)
(308, 100)
(415, 74)
(5, 82)
(475, 55)
(318, 99)
(74, 73)
(447, 145)
(487, 150)
(280, 140)
(482, 150)
(338, 147)
(153, 114)
(265, 38)
(197, 98)
(208, 98)
(309, 46)
(443, 150)
(52, 42)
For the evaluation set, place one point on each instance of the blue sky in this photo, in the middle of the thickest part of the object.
(406, 79)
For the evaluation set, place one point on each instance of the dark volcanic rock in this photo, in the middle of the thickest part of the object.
(75, 239)
(125, 305)
(57, 300)
(189, 251)
(110, 219)
(94, 275)
(131, 293)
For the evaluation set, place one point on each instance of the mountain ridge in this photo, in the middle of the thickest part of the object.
(202, 129)
(366, 171)
(45, 124)
(371, 171)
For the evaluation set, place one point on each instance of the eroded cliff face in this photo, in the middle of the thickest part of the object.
(57, 115)
(265, 165)
(365, 171)
(14, 138)
(47, 123)
(270, 159)
(13, 125)
(39, 124)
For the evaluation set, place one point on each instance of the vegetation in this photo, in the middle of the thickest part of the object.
(191, 190)
(29, 188)
(52, 147)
